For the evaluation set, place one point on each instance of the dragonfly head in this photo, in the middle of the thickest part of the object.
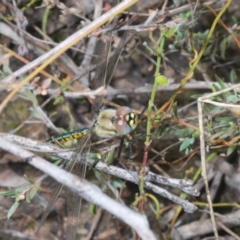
(126, 120)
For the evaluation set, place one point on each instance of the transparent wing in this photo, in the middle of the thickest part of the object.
(100, 75)
(103, 77)
(73, 200)
(113, 60)
(81, 170)
(105, 71)
(55, 194)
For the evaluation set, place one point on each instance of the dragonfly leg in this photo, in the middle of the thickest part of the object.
(120, 163)
(130, 147)
(94, 164)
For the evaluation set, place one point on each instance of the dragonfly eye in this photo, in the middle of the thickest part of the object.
(126, 120)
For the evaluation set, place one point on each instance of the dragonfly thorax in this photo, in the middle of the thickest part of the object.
(111, 123)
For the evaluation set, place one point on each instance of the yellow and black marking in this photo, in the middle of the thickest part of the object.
(132, 120)
(77, 134)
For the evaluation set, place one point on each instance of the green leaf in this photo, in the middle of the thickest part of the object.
(220, 82)
(27, 197)
(188, 150)
(185, 14)
(233, 99)
(58, 99)
(170, 32)
(98, 174)
(35, 113)
(222, 86)
(55, 158)
(118, 183)
(162, 80)
(225, 135)
(109, 157)
(92, 208)
(10, 192)
(29, 179)
(95, 156)
(233, 76)
(183, 133)
(224, 119)
(186, 143)
(195, 134)
(213, 53)
(12, 209)
(196, 96)
(162, 130)
(6, 69)
(230, 150)
(158, 117)
(208, 50)
(13, 192)
(215, 88)
(28, 95)
(175, 110)
(216, 109)
(34, 190)
(223, 45)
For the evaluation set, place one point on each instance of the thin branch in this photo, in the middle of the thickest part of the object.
(183, 185)
(84, 189)
(54, 53)
(203, 164)
(203, 227)
(141, 90)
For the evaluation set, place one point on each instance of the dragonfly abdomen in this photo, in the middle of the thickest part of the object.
(77, 134)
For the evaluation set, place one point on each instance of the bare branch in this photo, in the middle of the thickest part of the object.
(203, 227)
(84, 189)
(184, 185)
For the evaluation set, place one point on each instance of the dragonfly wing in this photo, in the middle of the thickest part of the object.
(103, 77)
(73, 200)
(113, 60)
(55, 195)
(73, 208)
(105, 71)
(100, 74)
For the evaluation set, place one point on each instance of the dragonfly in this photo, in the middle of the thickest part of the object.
(108, 123)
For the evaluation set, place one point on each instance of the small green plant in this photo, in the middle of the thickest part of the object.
(19, 194)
